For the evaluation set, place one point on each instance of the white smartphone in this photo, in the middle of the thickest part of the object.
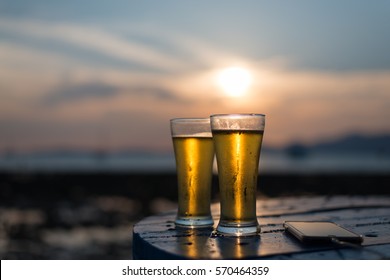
(320, 232)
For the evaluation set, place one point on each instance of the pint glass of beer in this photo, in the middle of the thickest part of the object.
(237, 142)
(194, 154)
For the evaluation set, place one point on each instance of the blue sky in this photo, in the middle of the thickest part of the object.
(110, 74)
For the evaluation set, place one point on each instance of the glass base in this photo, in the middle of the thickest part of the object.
(235, 229)
(194, 222)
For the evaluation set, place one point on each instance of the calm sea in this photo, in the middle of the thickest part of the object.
(270, 162)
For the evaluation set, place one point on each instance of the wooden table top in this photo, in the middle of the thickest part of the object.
(156, 237)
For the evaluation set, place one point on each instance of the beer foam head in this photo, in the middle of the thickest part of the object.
(191, 127)
(238, 122)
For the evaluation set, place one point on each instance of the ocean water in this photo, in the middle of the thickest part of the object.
(270, 162)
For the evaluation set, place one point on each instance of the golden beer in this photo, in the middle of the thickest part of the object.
(238, 155)
(237, 142)
(194, 163)
(194, 153)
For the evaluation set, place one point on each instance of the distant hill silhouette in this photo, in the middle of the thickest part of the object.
(354, 143)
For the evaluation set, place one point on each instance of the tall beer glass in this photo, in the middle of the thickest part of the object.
(194, 154)
(237, 142)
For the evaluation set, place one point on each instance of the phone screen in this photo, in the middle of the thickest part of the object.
(321, 231)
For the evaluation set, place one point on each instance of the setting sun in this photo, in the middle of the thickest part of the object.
(234, 80)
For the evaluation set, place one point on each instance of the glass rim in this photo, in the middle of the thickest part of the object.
(193, 120)
(248, 115)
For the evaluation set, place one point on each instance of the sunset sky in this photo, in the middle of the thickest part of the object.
(101, 74)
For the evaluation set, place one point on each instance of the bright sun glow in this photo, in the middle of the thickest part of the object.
(234, 80)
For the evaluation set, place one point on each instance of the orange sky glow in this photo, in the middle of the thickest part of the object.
(112, 86)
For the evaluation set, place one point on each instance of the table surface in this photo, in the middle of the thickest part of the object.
(156, 237)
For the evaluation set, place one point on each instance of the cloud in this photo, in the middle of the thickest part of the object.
(300, 106)
(95, 90)
(60, 75)
(96, 40)
(48, 95)
(196, 51)
(160, 94)
(310, 105)
(82, 91)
